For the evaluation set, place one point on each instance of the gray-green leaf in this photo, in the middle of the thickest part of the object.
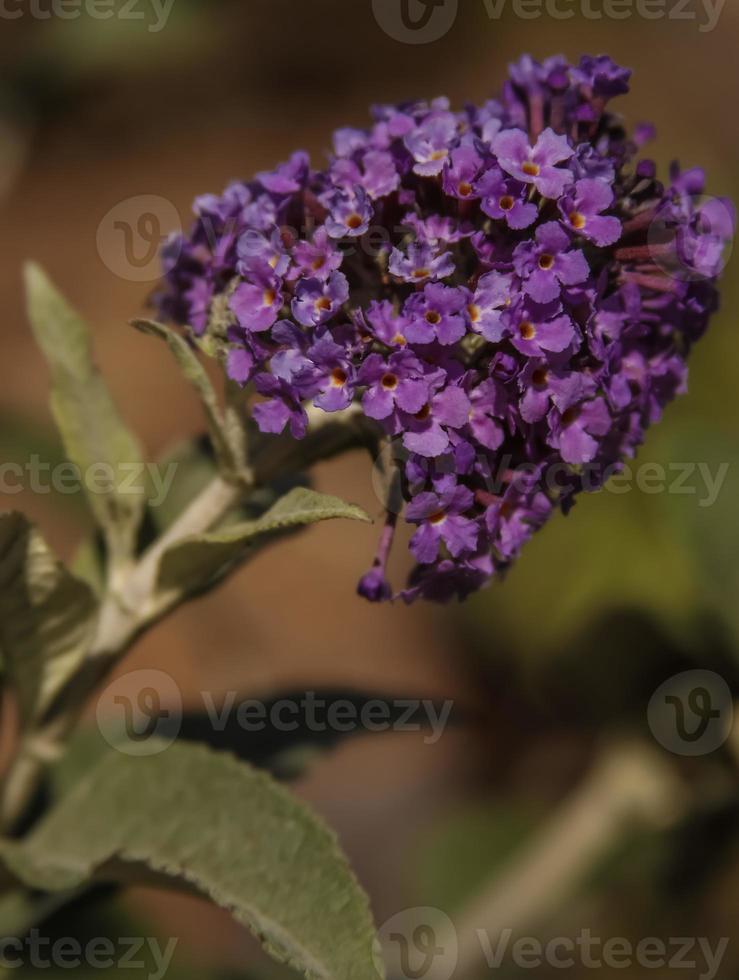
(47, 616)
(193, 815)
(225, 432)
(197, 562)
(95, 438)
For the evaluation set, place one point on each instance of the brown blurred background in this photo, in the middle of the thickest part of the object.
(550, 672)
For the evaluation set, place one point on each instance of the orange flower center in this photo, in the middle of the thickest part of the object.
(424, 413)
(437, 518)
(354, 221)
(527, 330)
(465, 189)
(540, 377)
(531, 169)
(571, 415)
(433, 317)
(506, 202)
(338, 378)
(389, 381)
(578, 220)
(546, 261)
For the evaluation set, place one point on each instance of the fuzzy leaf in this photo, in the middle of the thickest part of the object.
(46, 616)
(223, 428)
(197, 562)
(94, 437)
(193, 815)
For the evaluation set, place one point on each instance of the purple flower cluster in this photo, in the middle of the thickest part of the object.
(506, 292)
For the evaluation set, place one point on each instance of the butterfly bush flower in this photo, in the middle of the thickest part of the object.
(506, 293)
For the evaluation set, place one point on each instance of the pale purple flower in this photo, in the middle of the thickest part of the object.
(505, 199)
(420, 263)
(548, 263)
(582, 209)
(535, 165)
(317, 301)
(441, 519)
(436, 314)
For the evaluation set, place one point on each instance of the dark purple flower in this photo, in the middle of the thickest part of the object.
(430, 144)
(428, 429)
(492, 298)
(543, 385)
(350, 213)
(288, 177)
(317, 301)
(535, 165)
(582, 209)
(461, 173)
(282, 407)
(256, 303)
(420, 263)
(397, 382)
(505, 199)
(574, 431)
(441, 519)
(436, 314)
(525, 303)
(548, 263)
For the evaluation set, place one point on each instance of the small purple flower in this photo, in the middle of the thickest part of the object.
(602, 76)
(428, 429)
(430, 144)
(317, 302)
(548, 263)
(256, 249)
(542, 330)
(282, 407)
(436, 314)
(350, 213)
(329, 380)
(287, 177)
(572, 432)
(256, 303)
(397, 382)
(512, 519)
(491, 299)
(543, 385)
(440, 519)
(489, 408)
(317, 258)
(461, 173)
(582, 209)
(505, 199)
(420, 263)
(535, 165)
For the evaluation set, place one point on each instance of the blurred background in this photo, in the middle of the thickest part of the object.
(555, 801)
